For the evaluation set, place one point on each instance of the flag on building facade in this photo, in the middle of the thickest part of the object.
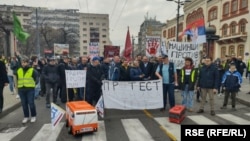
(196, 31)
(128, 47)
(20, 34)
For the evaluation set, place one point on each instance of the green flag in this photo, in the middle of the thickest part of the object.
(20, 34)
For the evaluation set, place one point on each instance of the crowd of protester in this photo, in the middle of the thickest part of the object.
(47, 78)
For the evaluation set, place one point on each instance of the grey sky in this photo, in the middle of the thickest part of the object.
(132, 14)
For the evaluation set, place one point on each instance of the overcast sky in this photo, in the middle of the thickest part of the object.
(122, 13)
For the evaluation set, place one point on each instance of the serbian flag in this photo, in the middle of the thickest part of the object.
(196, 31)
(128, 47)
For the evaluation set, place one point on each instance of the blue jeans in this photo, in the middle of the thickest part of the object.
(11, 83)
(187, 97)
(27, 97)
(168, 89)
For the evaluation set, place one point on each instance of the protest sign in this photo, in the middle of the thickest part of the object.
(61, 49)
(153, 44)
(93, 49)
(132, 95)
(75, 78)
(57, 114)
(100, 107)
(177, 51)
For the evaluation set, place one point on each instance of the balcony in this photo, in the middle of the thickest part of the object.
(233, 38)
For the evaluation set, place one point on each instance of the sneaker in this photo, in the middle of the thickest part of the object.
(48, 105)
(212, 113)
(17, 96)
(200, 111)
(223, 107)
(33, 119)
(25, 120)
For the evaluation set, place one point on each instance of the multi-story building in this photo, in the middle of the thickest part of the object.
(230, 18)
(149, 27)
(94, 28)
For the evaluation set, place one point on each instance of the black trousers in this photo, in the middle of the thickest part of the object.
(1, 97)
(93, 94)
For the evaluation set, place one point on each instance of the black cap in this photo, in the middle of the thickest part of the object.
(164, 56)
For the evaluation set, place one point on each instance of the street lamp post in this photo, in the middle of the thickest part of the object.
(179, 4)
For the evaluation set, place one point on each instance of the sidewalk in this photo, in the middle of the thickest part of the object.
(242, 97)
(10, 102)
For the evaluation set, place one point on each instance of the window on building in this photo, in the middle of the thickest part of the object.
(213, 13)
(226, 9)
(231, 50)
(97, 24)
(25, 15)
(240, 50)
(84, 29)
(104, 29)
(84, 23)
(234, 6)
(243, 4)
(242, 26)
(233, 28)
(85, 47)
(84, 35)
(224, 30)
(104, 36)
(223, 52)
(84, 53)
(103, 24)
(180, 27)
(91, 23)
(104, 42)
(164, 34)
(85, 41)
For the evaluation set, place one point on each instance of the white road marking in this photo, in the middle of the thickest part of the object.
(100, 135)
(10, 133)
(234, 119)
(200, 119)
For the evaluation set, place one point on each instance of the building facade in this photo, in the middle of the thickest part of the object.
(149, 27)
(94, 28)
(230, 18)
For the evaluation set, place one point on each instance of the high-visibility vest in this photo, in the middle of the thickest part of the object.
(25, 80)
(248, 66)
(183, 75)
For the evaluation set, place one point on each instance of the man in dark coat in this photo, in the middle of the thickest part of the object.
(125, 71)
(3, 82)
(94, 78)
(146, 67)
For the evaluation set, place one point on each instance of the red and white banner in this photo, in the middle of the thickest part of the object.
(153, 46)
(93, 49)
(111, 51)
(60, 49)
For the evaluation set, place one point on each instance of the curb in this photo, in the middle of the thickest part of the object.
(242, 101)
(10, 109)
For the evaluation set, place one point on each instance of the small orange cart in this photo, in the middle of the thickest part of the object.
(81, 117)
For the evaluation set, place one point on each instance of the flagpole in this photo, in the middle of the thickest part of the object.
(15, 44)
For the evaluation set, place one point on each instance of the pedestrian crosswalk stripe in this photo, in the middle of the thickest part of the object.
(200, 119)
(47, 134)
(135, 130)
(10, 133)
(100, 135)
(170, 127)
(248, 114)
(233, 118)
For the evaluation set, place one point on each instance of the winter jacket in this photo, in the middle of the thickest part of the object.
(114, 72)
(231, 80)
(94, 75)
(135, 73)
(51, 74)
(188, 79)
(3, 75)
(208, 77)
(125, 73)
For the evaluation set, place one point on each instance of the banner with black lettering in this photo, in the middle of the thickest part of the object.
(132, 95)
(177, 51)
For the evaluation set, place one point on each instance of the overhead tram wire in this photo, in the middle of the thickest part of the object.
(79, 5)
(120, 14)
(112, 13)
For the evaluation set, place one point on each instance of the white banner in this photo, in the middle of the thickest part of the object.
(57, 114)
(177, 51)
(133, 95)
(153, 44)
(100, 107)
(93, 49)
(75, 78)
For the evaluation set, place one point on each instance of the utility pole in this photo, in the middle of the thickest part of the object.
(37, 36)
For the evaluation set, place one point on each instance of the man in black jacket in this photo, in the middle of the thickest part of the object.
(94, 78)
(3, 82)
(146, 67)
(208, 80)
(50, 74)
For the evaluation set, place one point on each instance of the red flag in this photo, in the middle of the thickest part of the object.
(128, 47)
